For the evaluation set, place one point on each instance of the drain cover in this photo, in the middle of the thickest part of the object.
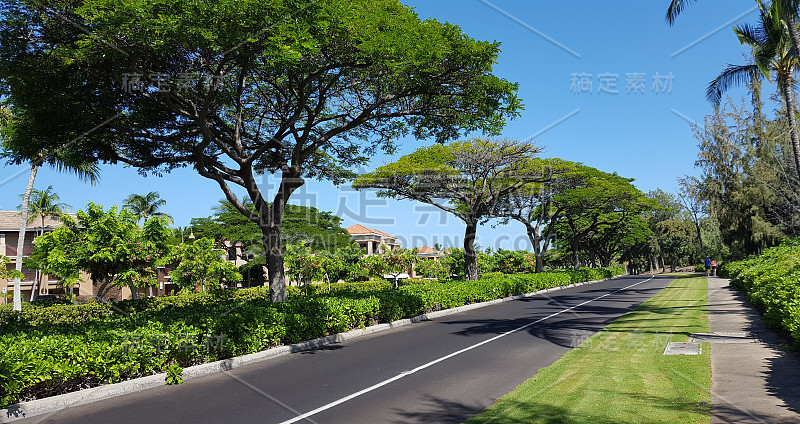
(679, 348)
(722, 337)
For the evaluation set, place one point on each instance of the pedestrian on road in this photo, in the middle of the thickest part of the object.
(708, 266)
(714, 268)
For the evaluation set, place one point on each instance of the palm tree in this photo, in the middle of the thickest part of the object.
(43, 204)
(145, 206)
(62, 160)
(87, 171)
(772, 50)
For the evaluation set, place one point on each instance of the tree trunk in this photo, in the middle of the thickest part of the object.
(470, 257)
(275, 271)
(271, 234)
(786, 91)
(21, 242)
(699, 237)
(38, 274)
(576, 265)
(538, 249)
(605, 261)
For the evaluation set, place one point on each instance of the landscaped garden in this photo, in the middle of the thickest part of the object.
(52, 347)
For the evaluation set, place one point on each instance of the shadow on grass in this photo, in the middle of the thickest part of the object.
(437, 410)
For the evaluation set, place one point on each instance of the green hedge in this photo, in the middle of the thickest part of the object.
(47, 350)
(772, 283)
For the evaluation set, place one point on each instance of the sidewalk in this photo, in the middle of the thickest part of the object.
(753, 381)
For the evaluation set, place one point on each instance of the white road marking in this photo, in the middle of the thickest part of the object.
(446, 357)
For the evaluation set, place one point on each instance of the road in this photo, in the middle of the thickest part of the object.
(442, 371)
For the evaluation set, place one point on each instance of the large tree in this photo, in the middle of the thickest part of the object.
(465, 178)
(234, 88)
(108, 245)
(532, 205)
(773, 54)
(595, 199)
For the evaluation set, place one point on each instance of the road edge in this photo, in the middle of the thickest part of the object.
(82, 397)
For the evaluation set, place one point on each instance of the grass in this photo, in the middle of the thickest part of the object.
(620, 374)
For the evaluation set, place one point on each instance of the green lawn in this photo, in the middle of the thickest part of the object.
(620, 374)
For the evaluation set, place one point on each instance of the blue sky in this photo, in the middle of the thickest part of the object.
(554, 52)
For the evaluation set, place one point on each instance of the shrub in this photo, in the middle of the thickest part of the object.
(772, 283)
(433, 269)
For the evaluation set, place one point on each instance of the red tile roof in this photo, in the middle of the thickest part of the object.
(360, 229)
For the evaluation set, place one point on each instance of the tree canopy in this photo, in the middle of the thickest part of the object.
(468, 179)
(319, 230)
(108, 245)
(234, 88)
(147, 205)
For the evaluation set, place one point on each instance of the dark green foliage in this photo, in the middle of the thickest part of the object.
(772, 283)
(320, 230)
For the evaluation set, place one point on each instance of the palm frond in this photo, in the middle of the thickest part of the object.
(733, 75)
(675, 8)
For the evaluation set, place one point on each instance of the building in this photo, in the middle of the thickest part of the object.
(426, 252)
(372, 240)
(45, 284)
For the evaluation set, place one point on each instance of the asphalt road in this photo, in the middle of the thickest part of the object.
(441, 371)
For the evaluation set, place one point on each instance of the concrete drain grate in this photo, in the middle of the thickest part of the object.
(722, 337)
(682, 348)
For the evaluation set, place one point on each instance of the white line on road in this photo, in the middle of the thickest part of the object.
(444, 358)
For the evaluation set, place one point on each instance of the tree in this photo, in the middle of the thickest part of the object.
(147, 205)
(772, 52)
(693, 203)
(590, 199)
(471, 176)
(675, 237)
(747, 179)
(532, 205)
(42, 204)
(201, 266)
(6, 273)
(399, 261)
(108, 245)
(63, 159)
(616, 234)
(321, 87)
(433, 268)
(303, 264)
(787, 13)
(320, 230)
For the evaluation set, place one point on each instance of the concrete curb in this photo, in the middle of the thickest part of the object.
(82, 397)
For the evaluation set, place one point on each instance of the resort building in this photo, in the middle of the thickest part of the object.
(44, 284)
(372, 240)
(426, 252)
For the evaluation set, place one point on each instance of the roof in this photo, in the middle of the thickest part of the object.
(426, 249)
(10, 220)
(360, 229)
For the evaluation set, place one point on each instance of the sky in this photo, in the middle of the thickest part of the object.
(608, 84)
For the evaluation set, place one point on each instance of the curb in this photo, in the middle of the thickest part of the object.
(67, 400)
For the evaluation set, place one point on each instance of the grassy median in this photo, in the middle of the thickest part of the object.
(620, 374)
